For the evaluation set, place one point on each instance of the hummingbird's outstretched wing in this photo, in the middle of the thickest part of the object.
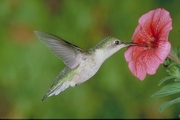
(69, 53)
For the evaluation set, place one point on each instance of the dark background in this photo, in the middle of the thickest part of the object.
(28, 68)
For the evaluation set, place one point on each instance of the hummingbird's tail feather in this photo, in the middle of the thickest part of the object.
(56, 90)
(62, 82)
(44, 97)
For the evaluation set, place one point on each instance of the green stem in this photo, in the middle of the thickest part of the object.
(174, 57)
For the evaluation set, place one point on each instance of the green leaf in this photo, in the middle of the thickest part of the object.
(167, 90)
(167, 104)
(172, 62)
(174, 69)
(165, 79)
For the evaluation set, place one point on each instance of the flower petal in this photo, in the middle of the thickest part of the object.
(163, 49)
(128, 54)
(135, 65)
(137, 69)
(152, 63)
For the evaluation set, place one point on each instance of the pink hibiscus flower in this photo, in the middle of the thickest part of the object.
(153, 31)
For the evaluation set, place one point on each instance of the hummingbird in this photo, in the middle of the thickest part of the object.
(81, 65)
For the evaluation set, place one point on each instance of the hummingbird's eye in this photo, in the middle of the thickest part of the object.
(117, 42)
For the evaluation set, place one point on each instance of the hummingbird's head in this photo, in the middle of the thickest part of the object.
(110, 45)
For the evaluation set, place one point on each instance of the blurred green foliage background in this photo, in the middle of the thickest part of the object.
(28, 67)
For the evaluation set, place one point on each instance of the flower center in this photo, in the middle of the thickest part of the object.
(151, 43)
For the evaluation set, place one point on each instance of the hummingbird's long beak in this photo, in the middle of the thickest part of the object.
(134, 44)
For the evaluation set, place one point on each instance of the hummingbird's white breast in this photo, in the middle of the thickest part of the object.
(88, 67)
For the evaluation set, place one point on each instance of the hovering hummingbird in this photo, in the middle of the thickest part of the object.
(81, 65)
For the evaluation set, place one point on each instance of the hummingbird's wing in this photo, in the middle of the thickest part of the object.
(69, 53)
